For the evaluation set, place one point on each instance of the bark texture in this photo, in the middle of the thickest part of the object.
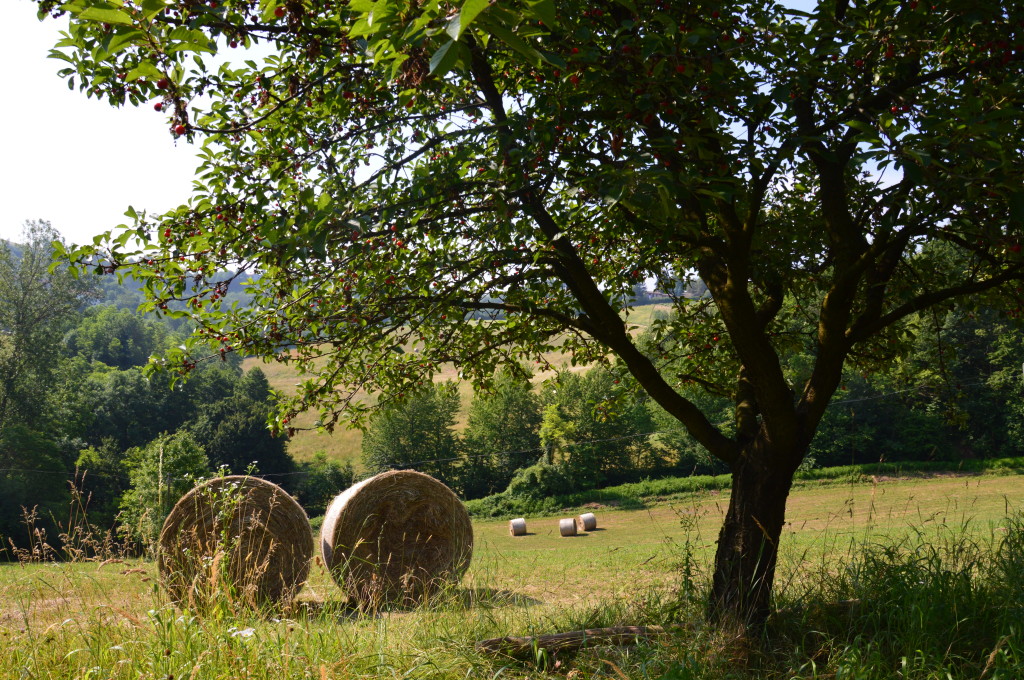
(748, 543)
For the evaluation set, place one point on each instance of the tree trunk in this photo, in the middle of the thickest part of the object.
(749, 541)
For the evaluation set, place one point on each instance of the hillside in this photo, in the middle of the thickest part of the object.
(344, 444)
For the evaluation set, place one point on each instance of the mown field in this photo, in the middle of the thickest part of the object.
(108, 619)
(344, 444)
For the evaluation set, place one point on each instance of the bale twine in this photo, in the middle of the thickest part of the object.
(567, 527)
(517, 527)
(239, 539)
(587, 521)
(397, 536)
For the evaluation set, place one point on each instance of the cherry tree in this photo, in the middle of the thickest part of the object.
(418, 183)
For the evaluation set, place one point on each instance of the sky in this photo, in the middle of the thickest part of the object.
(76, 162)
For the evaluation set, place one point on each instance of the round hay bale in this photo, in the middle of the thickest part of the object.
(240, 538)
(587, 521)
(397, 536)
(517, 527)
(567, 527)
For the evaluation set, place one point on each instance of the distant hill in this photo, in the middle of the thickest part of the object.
(129, 293)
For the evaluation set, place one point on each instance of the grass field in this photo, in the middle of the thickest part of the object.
(110, 620)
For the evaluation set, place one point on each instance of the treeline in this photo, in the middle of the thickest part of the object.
(85, 434)
(956, 394)
(579, 431)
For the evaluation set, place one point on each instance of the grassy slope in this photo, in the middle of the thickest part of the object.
(344, 444)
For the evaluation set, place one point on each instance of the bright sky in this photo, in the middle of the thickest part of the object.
(76, 162)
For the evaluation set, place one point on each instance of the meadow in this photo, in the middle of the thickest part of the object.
(889, 577)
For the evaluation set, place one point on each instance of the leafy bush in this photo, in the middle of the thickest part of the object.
(160, 473)
(319, 481)
(540, 481)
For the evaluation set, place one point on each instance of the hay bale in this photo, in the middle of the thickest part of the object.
(567, 527)
(587, 521)
(396, 536)
(239, 539)
(517, 527)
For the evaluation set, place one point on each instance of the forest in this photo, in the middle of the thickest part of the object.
(91, 432)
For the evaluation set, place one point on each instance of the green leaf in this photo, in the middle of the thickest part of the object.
(145, 69)
(107, 16)
(470, 10)
(123, 39)
(912, 172)
(190, 47)
(515, 42)
(267, 8)
(544, 10)
(150, 8)
(447, 57)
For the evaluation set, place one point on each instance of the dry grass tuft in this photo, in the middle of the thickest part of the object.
(237, 539)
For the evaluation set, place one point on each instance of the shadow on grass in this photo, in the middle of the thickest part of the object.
(495, 597)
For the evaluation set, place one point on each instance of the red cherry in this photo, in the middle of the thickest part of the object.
(159, 106)
(162, 83)
(681, 68)
(180, 130)
(279, 12)
(859, 63)
(1015, 248)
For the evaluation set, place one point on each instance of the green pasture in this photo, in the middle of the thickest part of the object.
(108, 618)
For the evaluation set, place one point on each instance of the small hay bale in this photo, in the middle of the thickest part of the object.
(517, 527)
(397, 536)
(567, 527)
(587, 521)
(240, 538)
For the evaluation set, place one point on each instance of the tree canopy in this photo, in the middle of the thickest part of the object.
(396, 170)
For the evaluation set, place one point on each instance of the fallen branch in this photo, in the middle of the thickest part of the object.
(526, 647)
